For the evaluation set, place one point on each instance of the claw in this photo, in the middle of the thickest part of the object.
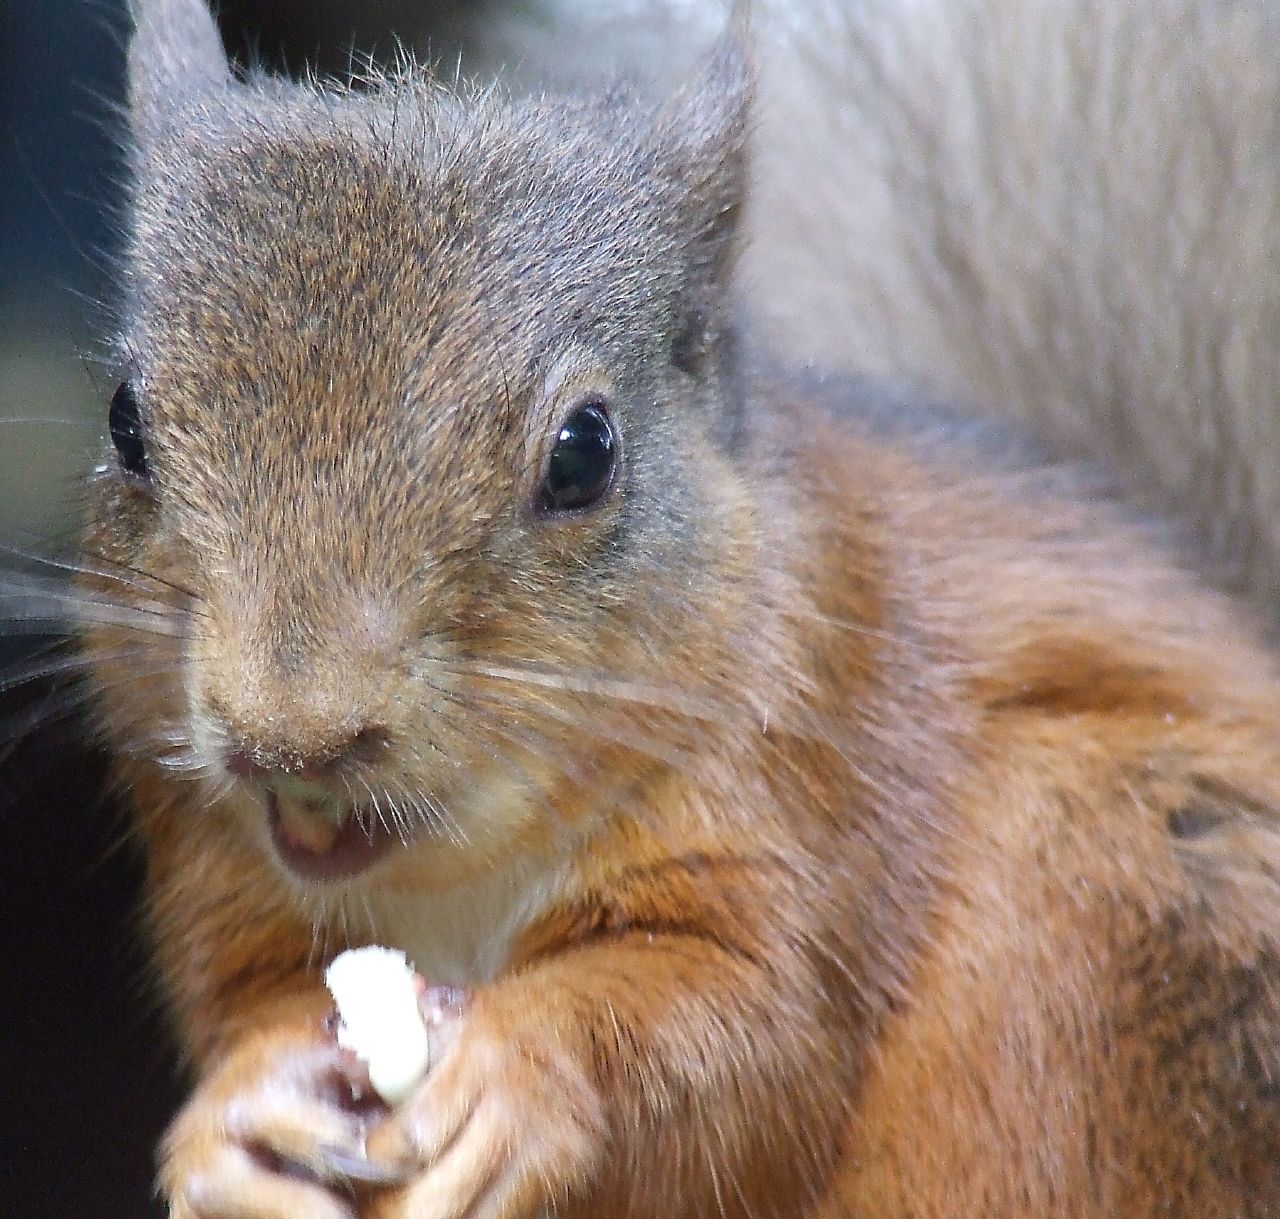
(438, 1003)
(341, 1165)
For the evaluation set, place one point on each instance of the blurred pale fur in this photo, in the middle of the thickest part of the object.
(1065, 210)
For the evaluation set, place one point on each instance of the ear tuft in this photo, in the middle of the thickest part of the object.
(176, 52)
(702, 135)
(703, 128)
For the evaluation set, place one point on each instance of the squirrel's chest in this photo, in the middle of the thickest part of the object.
(463, 935)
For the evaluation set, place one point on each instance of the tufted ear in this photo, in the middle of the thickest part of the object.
(702, 135)
(176, 54)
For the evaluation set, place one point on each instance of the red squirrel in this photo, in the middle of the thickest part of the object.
(800, 801)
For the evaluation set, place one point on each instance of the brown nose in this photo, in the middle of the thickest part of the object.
(256, 760)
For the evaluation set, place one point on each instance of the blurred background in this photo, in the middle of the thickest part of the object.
(87, 1076)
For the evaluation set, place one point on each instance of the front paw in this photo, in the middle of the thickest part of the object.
(276, 1132)
(505, 1124)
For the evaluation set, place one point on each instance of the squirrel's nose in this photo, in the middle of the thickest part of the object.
(249, 759)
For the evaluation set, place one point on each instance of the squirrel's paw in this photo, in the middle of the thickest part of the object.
(276, 1132)
(504, 1124)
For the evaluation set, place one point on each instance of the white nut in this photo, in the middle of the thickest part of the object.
(376, 992)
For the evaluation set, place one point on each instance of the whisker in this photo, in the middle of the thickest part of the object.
(498, 731)
(59, 666)
(375, 806)
(610, 789)
(678, 749)
(35, 601)
(115, 571)
(60, 704)
(432, 812)
(150, 576)
(370, 920)
(586, 682)
(342, 921)
(317, 951)
(524, 737)
(677, 756)
(398, 819)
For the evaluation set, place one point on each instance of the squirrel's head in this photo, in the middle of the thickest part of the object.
(421, 497)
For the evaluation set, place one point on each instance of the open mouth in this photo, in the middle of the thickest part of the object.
(317, 841)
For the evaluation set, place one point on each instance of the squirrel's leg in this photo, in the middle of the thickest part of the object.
(274, 1130)
(274, 1125)
(650, 1069)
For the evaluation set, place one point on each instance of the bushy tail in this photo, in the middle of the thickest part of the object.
(1067, 209)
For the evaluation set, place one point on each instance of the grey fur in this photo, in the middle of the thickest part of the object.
(175, 55)
(1063, 210)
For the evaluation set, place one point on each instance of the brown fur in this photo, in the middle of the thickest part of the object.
(848, 816)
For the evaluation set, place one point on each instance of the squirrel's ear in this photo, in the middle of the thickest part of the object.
(702, 134)
(176, 53)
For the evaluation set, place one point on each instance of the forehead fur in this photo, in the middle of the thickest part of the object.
(285, 208)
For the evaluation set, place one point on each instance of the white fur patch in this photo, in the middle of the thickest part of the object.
(463, 936)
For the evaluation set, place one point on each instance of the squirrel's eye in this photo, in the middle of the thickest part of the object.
(580, 469)
(125, 422)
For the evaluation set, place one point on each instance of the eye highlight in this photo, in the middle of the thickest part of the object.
(125, 423)
(583, 458)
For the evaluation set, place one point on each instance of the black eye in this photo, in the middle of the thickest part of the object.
(582, 461)
(125, 422)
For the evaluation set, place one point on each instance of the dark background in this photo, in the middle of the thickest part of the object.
(88, 1076)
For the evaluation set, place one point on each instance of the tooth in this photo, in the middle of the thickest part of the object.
(302, 827)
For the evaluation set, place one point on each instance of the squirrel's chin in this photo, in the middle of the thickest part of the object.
(326, 850)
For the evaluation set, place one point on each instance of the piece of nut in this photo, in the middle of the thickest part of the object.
(376, 991)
